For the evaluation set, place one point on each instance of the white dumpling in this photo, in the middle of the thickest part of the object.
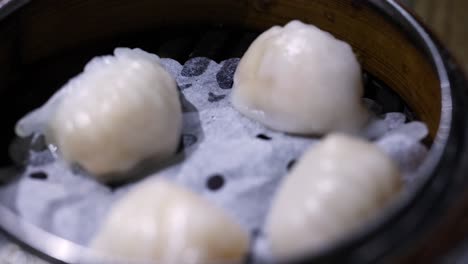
(300, 79)
(120, 111)
(336, 186)
(161, 222)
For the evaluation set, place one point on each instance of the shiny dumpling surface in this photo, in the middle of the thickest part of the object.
(300, 79)
(336, 186)
(165, 223)
(119, 111)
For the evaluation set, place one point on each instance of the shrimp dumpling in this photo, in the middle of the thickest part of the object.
(337, 185)
(164, 223)
(300, 79)
(121, 110)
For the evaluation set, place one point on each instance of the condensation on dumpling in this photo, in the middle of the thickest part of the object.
(165, 223)
(300, 79)
(119, 111)
(335, 187)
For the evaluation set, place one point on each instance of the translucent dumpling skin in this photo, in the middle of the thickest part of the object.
(336, 186)
(164, 223)
(300, 79)
(121, 110)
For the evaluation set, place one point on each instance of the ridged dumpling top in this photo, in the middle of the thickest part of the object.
(120, 111)
(300, 79)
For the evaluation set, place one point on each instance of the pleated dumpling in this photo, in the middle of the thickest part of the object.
(161, 222)
(300, 79)
(336, 186)
(120, 111)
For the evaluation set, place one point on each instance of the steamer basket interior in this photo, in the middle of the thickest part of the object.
(46, 42)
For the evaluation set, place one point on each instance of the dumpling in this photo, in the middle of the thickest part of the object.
(300, 79)
(162, 222)
(121, 110)
(337, 185)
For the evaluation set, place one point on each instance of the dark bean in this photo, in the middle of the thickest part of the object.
(215, 182)
(185, 86)
(215, 98)
(263, 137)
(225, 76)
(39, 175)
(291, 164)
(195, 67)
